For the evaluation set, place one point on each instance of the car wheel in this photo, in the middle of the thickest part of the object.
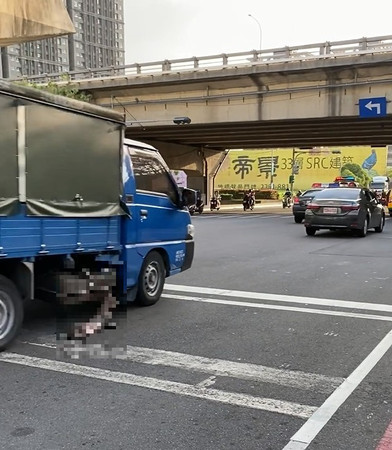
(363, 231)
(11, 312)
(151, 280)
(310, 231)
(381, 226)
(297, 219)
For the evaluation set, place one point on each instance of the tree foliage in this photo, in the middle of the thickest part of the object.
(66, 90)
(355, 170)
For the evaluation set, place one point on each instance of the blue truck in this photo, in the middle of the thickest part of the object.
(76, 197)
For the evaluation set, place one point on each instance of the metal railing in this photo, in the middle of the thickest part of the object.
(318, 51)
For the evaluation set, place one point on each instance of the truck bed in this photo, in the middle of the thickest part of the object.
(23, 237)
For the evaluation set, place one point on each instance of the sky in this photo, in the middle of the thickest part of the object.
(156, 30)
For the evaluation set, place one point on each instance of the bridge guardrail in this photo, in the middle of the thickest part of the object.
(318, 51)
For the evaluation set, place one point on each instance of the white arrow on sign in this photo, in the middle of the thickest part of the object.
(371, 105)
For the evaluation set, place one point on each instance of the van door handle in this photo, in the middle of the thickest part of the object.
(144, 212)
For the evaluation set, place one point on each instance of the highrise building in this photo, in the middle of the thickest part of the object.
(98, 42)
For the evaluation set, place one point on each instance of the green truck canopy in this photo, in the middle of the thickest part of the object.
(59, 156)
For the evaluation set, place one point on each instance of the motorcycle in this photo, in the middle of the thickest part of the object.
(198, 207)
(248, 203)
(286, 202)
(215, 203)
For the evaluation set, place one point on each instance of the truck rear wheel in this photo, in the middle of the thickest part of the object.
(11, 312)
(151, 280)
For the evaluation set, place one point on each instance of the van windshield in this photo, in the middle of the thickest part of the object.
(377, 185)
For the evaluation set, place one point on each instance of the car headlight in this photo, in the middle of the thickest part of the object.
(191, 230)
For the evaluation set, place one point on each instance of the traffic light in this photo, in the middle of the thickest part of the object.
(291, 179)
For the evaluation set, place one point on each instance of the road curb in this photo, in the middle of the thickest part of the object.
(239, 208)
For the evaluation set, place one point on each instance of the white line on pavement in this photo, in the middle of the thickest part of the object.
(281, 298)
(305, 435)
(207, 382)
(301, 309)
(245, 371)
(230, 398)
(220, 367)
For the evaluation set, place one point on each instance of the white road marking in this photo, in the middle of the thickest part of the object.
(318, 416)
(301, 309)
(245, 371)
(220, 367)
(305, 435)
(282, 298)
(230, 398)
(207, 382)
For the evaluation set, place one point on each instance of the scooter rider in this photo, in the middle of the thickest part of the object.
(252, 198)
(215, 201)
(287, 197)
(249, 200)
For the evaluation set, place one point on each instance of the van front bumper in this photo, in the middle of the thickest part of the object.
(189, 252)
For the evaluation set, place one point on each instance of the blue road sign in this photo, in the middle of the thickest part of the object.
(373, 107)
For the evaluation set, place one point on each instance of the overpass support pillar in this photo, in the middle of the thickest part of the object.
(201, 164)
(215, 162)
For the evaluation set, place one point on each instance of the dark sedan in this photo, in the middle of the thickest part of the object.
(355, 209)
(300, 203)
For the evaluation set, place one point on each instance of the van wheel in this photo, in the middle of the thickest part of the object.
(151, 280)
(11, 311)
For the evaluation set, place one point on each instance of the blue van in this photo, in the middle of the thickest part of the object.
(84, 213)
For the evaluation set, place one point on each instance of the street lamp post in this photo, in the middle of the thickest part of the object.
(258, 23)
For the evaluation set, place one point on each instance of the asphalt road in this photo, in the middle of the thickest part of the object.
(272, 340)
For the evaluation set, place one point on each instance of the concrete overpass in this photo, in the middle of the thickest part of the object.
(301, 96)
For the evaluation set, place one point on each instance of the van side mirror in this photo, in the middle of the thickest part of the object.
(188, 197)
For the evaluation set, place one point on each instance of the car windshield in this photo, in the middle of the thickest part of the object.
(338, 193)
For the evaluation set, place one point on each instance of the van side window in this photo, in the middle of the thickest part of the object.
(151, 175)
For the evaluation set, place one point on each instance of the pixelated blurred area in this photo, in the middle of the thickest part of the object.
(86, 301)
